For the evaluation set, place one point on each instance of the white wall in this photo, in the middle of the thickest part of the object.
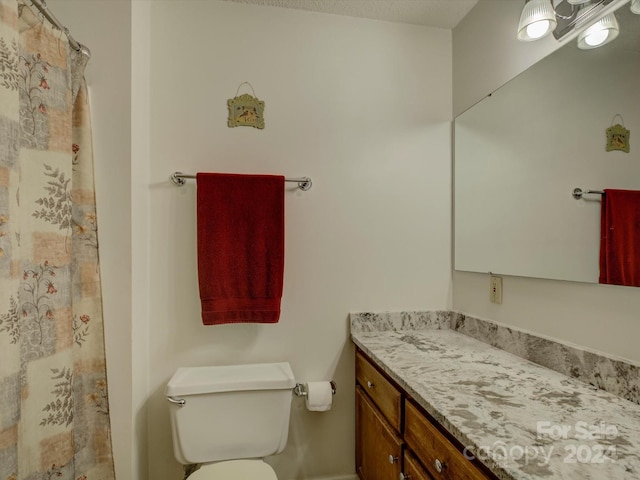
(140, 233)
(105, 26)
(363, 108)
(601, 317)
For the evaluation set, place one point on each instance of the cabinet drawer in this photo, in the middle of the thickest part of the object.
(438, 454)
(383, 393)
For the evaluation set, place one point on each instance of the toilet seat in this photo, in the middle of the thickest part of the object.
(234, 470)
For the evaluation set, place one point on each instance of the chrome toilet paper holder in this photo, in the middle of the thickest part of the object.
(301, 391)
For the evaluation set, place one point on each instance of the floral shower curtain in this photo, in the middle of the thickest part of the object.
(54, 411)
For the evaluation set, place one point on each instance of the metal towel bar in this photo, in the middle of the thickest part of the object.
(179, 179)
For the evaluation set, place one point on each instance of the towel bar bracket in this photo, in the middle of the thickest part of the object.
(178, 178)
(304, 183)
(578, 193)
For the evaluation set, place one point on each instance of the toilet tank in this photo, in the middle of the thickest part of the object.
(229, 412)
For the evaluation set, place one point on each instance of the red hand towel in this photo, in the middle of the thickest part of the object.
(620, 238)
(240, 247)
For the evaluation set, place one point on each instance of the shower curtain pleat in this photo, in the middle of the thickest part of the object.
(54, 410)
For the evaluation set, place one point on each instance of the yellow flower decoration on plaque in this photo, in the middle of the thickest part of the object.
(618, 136)
(245, 110)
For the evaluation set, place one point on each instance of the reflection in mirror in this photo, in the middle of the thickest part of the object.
(521, 152)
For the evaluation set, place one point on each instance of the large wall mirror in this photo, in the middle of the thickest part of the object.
(520, 152)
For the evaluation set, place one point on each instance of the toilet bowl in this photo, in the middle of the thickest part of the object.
(228, 418)
(235, 470)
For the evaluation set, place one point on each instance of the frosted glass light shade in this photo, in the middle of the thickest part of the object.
(536, 21)
(603, 31)
(635, 6)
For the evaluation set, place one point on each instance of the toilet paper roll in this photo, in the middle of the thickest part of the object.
(319, 396)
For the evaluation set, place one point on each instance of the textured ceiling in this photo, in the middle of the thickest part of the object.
(432, 13)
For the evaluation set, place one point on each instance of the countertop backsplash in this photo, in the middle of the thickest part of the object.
(397, 321)
(616, 376)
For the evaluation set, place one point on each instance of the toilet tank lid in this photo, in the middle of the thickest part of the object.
(230, 378)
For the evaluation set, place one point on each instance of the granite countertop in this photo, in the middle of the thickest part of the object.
(523, 421)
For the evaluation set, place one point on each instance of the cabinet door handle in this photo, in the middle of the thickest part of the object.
(404, 477)
(369, 384)
(392, 459)
(439, 466)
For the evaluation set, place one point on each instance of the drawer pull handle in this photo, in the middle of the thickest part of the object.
(369, 384)
(439, 466)
(392, 459)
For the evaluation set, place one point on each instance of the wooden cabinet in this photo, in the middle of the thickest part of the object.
(395, 439)
(378, 446)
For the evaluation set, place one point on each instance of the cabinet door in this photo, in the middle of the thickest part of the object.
(378, 447)
(412, 469)
(443, 460)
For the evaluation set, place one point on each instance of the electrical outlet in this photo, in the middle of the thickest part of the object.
(495, 289)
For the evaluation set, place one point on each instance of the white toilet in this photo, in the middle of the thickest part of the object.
(228, 418)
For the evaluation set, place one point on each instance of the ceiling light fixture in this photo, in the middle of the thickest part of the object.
(541, 17)
(537, 20)
(603, 31)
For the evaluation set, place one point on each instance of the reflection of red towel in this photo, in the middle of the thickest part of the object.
(240, 247)
(620, 238)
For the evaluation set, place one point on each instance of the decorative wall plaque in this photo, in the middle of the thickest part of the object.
(245, 110)
(618, 136)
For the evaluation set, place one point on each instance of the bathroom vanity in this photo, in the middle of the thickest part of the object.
(395, 437)
(433, 403)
